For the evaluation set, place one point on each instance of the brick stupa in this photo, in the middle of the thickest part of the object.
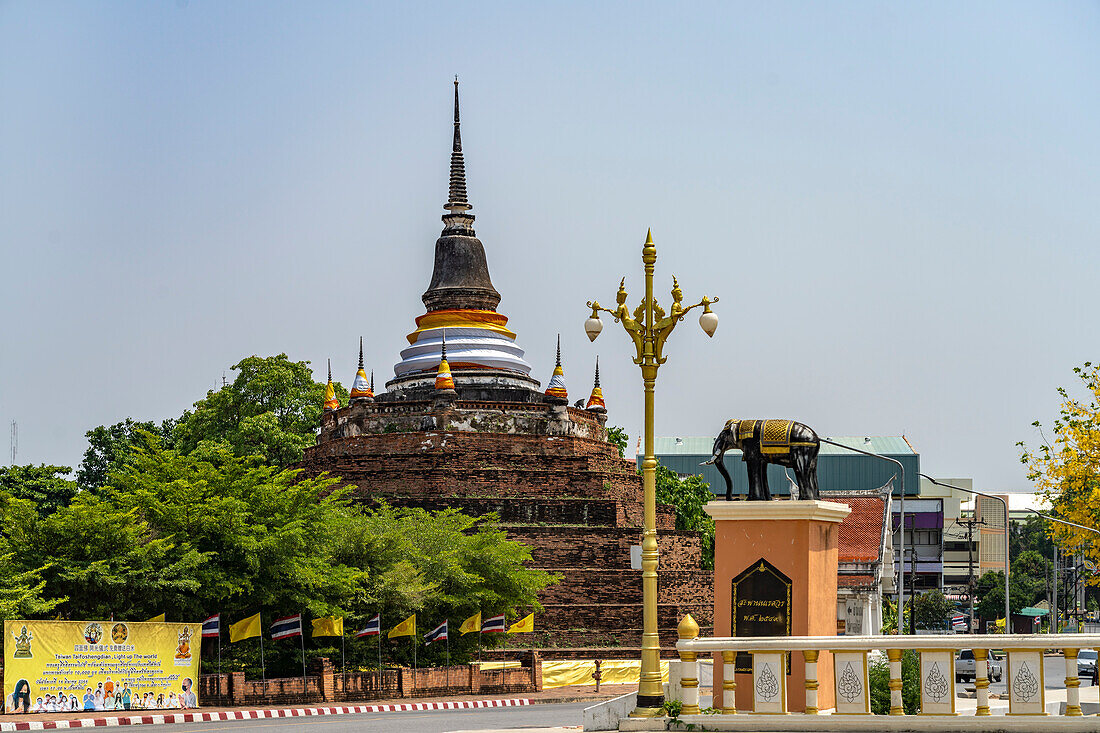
(497, 443)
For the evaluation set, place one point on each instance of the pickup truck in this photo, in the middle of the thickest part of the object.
(966, 666)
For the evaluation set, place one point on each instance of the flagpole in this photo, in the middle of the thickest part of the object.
(220, 657)
(302, 637)
(448, 640)
(263, 669)
(343, 662)
(379, 653)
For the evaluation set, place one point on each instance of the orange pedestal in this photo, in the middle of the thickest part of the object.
(799, 539)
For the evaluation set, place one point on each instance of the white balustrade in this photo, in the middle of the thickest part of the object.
(850, 696)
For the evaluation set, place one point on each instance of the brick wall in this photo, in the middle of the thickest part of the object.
(330, 686)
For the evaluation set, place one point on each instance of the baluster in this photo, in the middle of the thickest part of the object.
(897, 707)
(981, 680)
(810, 655)
(689, 667)
(1073, 684)
(729, 683)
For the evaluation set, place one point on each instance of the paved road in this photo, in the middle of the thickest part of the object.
(442, 721)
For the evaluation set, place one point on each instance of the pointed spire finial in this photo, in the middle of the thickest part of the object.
(360, 388)
(371, 380)
(556, 388)
(443, 379)
(331, 402)
(456, 198)
(595, 400)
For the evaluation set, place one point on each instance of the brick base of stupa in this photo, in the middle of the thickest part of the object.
(557, 485)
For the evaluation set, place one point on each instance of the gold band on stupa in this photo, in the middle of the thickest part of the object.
(485, 320)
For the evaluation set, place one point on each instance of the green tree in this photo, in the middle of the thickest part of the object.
(1032, 534)
(43, 486)
(688, 496)
(270, 410)
(932, 610)
(108, 447)
(268, 538)
(1066, 466)
(617, 437)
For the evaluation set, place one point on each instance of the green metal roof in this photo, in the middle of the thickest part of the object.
(1032, 611)
(837, 469)
(887, 445)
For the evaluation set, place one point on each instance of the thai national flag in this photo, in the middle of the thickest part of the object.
(284, 628)
(439, 632)
(373, 627)
(212, 627)
(494, 625)
(958, 622)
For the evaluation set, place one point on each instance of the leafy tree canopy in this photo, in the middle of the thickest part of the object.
(617, 437)
(270, 410)
(932, 610)
(688, 496)
(44, 487)
(1066, 466)
(109, 446)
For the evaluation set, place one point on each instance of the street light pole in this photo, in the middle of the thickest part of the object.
(1008, 616)
(648, 328)
(1054, 562)
(900, 590)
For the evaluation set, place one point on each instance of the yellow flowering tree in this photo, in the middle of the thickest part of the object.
(1066, 467)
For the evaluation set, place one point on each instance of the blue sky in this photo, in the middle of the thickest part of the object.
(895, 203)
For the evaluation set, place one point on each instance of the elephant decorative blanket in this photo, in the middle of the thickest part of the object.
(774, 435)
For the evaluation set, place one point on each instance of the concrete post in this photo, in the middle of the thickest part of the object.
(981, 680)
(897, 706)
(810, 657)
(1073, 683)
(729, 684)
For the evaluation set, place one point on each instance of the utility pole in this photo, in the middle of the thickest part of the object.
(14, 440)
(970, 524)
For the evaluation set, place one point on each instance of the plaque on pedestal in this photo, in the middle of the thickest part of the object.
(761, 606)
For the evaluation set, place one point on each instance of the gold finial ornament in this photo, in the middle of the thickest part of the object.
(688, 628)
(649, 329)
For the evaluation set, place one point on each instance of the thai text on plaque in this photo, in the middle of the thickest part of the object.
(761, 607)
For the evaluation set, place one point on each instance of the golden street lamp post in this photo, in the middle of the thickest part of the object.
(649, 329)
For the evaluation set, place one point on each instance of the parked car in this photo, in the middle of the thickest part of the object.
(1086, 663)
(966, 667)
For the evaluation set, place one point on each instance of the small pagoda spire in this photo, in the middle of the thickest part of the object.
(595, 400)
(456, 199)
(443, 378)
(556, 388)
(331, 403)
(360, 388)
(372, 380)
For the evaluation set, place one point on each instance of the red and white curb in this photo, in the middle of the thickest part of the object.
(257, 714)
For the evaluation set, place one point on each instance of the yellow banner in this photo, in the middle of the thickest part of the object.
(472, 624)
(525, 625)
(66, 666)
(566, 673)
(245, 628)
(328, 626)
(405, 628)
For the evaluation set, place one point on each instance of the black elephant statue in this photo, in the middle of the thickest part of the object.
(783, 442)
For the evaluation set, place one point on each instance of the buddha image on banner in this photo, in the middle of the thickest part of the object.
(68, 666)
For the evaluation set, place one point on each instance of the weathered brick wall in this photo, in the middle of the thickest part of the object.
(572, 499)
(331, 686)
(605, 547)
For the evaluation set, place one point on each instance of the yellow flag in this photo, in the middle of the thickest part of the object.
(159, 618)
(1000, 623)
(245, 629)
(328, 626)
(405, 628)
(471, 624)
(524, 626)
